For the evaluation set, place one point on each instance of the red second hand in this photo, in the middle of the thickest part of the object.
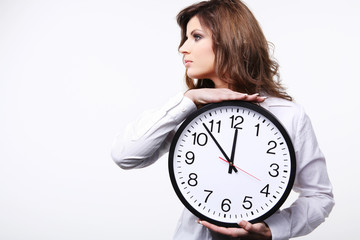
(241, 169)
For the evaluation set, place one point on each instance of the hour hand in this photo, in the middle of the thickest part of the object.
(231, 166)
(231, 162)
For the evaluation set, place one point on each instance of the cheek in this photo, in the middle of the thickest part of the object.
(204, 66)
(209, 61)
(209, 57)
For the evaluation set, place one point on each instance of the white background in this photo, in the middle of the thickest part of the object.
(73, 73)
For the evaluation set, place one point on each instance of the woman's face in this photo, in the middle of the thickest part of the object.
(199, 56)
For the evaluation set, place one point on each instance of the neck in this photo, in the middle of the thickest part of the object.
(220, 83)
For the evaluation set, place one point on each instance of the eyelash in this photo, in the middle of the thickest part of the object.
(197, 37)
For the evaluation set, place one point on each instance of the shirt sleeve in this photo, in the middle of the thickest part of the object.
(315, 200)
(147, 139)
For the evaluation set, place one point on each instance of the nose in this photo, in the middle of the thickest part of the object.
(184, 48)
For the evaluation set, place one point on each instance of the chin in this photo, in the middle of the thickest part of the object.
(197, 76)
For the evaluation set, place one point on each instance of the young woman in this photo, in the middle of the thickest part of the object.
(226, 57)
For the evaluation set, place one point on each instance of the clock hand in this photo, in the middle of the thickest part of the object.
(231, 162)
(218, 145)
(241, 170)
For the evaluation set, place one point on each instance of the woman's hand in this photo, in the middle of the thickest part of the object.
(204, 96)
(247, 231)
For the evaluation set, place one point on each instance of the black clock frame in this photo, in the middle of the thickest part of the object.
(271, 117)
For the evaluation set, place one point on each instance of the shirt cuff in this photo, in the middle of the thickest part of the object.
(181, 107)
(279, 226)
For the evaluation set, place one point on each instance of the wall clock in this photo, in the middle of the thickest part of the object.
(232, 161)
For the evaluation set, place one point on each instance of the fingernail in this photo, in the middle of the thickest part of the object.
(198, 221)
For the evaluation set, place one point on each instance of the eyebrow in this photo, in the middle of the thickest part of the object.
(192, 32)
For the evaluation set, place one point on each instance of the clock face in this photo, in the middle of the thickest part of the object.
(232, 161)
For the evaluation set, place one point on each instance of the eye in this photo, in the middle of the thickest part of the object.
(197, 37)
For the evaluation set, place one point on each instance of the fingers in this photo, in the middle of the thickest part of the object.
(212, 95)
(247, 230)
(232, 232)
(227, 94)
(246, 225)
(255, 98)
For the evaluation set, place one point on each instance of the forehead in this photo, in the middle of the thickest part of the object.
(195, 24)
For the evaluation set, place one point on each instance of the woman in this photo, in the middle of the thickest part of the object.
(227, 58)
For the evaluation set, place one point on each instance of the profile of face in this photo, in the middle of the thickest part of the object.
(198, 53)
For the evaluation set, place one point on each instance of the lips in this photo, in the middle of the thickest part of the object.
(187, 62)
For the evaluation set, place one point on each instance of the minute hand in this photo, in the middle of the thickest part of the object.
(231, 166)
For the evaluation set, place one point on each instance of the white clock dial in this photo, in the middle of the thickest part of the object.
(231, 161)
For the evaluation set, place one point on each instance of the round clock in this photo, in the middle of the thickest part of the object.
(232, 161)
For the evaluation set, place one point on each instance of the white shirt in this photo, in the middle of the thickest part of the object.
(148, 138)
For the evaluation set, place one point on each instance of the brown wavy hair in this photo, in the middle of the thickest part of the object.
(242, 57)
